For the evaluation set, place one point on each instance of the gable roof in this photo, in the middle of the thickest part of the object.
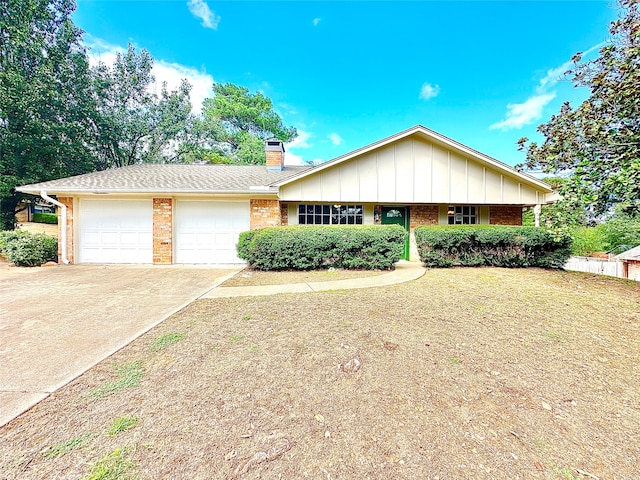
(633, 254)
(431, 136)
(169, 178)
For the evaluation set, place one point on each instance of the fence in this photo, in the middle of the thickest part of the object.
(599, 266)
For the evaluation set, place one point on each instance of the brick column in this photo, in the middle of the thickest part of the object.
(162, 231)
(68, 202)
(265, 213)
(284, 214)
(505, 215)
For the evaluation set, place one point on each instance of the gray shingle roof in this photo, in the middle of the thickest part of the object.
(633, 254)
(171, 178)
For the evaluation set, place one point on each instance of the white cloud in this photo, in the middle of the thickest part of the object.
(335, 139)
(301, 141)
(521, 114)
(201, 10)
(316, 21)
(429, 91)
(172, 73)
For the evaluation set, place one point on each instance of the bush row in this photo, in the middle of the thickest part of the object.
(308, 247)
(27, 249)
(45, 218)
(491, 245)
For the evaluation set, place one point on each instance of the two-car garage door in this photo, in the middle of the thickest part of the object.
(121, 231)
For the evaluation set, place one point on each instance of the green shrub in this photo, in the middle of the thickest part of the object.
(587, 240)
(28, 249)
(310, 247)
(498, 246)
(45, 218)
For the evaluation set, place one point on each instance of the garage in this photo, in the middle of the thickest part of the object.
(207, 232)
(115, 231)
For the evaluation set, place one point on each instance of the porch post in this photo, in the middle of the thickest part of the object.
(536, 213)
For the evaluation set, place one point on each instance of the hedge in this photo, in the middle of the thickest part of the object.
(497, 246)
(45, 218)
(309, 247)
(27, 249)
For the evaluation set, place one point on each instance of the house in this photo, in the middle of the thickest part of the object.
(630, 263)
(166, 214)
(26, 209)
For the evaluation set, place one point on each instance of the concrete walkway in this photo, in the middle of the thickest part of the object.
(404, 272)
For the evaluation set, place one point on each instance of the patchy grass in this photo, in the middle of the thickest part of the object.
(115, 466)
(166, 340)
(62, 448)
(122, 424)
(129, 375)
(541, 383)
(248, 277)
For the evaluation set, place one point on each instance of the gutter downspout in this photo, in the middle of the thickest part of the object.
(63, 229)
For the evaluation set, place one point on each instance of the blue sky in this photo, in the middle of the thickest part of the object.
(346, 74)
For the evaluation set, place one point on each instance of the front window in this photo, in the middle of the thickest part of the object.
(462, 215)
(320, 214)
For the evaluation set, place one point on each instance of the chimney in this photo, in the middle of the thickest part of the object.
(275, 154)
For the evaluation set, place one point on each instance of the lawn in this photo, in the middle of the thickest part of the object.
(463, 374)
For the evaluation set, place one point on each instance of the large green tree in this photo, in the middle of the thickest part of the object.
(235, 123)
(597, 144)
(136, 125)
(47, 107)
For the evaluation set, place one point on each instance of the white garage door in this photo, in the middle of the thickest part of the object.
(115, 231)
(207, 232)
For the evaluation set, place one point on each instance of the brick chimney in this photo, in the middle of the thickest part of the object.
(275, 154)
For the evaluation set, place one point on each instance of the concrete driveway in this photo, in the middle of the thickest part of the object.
(57, 322)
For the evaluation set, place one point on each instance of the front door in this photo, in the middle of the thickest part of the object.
(398, 216)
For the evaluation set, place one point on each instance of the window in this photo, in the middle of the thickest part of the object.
(318, 214)
(462, 215)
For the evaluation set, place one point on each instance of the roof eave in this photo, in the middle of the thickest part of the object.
(112, 191)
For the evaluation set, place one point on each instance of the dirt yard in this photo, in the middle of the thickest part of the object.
(464, 374)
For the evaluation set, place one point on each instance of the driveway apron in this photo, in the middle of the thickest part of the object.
(57, 322)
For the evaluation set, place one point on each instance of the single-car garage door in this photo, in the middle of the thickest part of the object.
(115, 231)
(207, 232)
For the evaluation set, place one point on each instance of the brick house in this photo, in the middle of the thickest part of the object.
(165, 214)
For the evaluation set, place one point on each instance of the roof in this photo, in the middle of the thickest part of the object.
(431, 136)
(633, 254)
(170, 178)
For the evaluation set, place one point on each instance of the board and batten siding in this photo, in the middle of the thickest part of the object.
(413, 170)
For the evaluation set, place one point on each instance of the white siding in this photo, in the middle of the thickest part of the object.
(413, 170)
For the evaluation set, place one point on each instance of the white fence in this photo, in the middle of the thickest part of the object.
(599, 266)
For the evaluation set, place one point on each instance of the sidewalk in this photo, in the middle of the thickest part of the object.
(404, 272)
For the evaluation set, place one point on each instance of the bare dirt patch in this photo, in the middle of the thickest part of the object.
(248, 277)
(464, 374)
(46, 228)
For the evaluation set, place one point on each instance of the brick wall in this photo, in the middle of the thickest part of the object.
(274, 158)
(423, 215)
(162, 231)
(505, 215)
(68, 202)
(284, 214)
(265, 213)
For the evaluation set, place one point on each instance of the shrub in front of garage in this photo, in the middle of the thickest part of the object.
(27, 249)
(498, 246)
(51, 218)
(365, 247)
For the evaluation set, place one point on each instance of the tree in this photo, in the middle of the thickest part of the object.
(597, 144)
(136, 125)
(46, 102)
(236, 123)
